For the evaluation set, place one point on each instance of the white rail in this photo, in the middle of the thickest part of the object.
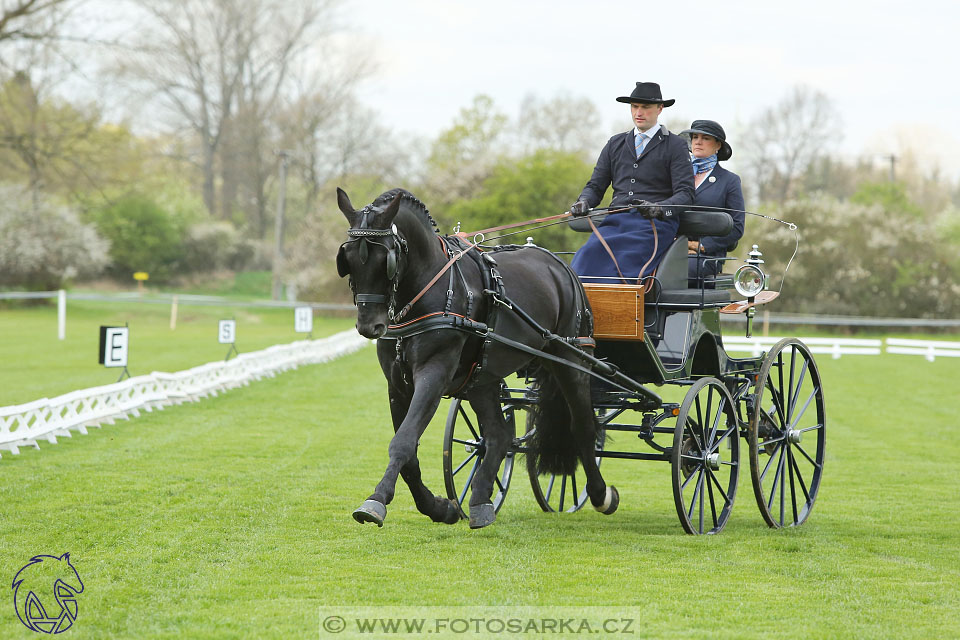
(836, 347)
(50, 418)
(930, 349)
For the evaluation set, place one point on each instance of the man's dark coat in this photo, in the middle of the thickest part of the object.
(662, 175)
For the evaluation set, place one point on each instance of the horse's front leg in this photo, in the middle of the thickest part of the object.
(437, 508)
(429, 383)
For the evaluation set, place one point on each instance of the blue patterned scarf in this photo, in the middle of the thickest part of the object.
(702, 165)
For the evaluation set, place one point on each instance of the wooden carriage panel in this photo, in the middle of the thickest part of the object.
(617, 310)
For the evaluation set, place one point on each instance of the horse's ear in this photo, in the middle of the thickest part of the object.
(385, 219)
(343, 201)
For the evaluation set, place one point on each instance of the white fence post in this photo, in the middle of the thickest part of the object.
(62, 314)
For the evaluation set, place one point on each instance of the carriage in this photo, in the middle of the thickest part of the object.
(671, 335)
(664, 332)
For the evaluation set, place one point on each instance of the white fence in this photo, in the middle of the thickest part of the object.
(836, 347)
(48, 419)
(930, 349)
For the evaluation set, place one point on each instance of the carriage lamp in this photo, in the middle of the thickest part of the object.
(749, 280)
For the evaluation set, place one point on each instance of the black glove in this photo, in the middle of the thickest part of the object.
(579, 208)
(649, 210)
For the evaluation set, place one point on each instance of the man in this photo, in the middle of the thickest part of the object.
(648, 167)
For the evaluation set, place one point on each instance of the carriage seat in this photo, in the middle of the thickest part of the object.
(672, 272)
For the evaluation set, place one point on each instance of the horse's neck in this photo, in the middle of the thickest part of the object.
(425, 256)
(423, 244)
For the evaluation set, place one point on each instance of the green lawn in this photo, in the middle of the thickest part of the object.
(231, 518)
(36, 364)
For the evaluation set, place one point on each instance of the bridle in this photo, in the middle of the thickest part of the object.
(365, 236)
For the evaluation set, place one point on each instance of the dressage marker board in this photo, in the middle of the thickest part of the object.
(227, 332)
(114, 346)
(303, 320)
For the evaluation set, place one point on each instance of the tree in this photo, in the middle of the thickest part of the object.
(217, 63)
(782, 142)
(463, 155)
(535, 186)
(564, 123)
(30, 19)
(56, 147)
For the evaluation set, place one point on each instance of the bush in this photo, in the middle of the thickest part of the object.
(212, 246)
(878, 259)
(42, 244)
(143, 237)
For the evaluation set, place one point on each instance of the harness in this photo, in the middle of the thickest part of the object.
(483, 329)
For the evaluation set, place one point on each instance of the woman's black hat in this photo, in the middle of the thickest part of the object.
(710, 128)
(648, 93)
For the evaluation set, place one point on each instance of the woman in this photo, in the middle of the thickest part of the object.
(715, 187)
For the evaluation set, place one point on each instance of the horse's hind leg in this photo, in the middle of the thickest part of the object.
(576, 390)
(485, 401)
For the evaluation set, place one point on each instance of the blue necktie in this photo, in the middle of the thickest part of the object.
(641, 142)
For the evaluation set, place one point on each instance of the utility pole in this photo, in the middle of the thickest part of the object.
(278, 228)
(893, 163)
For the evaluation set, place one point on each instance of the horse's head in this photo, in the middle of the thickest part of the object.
(372, 257)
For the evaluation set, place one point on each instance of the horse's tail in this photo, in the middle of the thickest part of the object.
(553, 444)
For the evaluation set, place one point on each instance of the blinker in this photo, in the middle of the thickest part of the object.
(391, 263)
(343, 267)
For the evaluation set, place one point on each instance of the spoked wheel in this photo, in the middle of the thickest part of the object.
(787, 434)
(563, 493)
(463, 451)
(705, 459)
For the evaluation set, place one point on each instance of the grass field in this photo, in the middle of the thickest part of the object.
(36, 364)
(231, 517)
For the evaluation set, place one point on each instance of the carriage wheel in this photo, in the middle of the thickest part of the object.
(463, 451)
(563, 493)
(787, 434)
(705, 458)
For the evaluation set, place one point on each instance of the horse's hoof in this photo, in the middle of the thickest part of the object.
(454, 514)
(446, 511)
(611, 502)
(371, 511)
(481, 515)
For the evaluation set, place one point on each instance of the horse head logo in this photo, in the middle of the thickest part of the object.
(45, 593)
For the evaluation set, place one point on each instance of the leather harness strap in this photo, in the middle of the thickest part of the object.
(456, 256)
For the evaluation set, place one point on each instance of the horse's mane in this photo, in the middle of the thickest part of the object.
(408, 198)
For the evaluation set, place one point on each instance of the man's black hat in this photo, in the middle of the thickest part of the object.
(710, 128)
(648, 93)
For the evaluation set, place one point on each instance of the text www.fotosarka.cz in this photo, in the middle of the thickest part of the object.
(478, 622)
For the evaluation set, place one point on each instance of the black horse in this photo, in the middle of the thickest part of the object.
(393, 252)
